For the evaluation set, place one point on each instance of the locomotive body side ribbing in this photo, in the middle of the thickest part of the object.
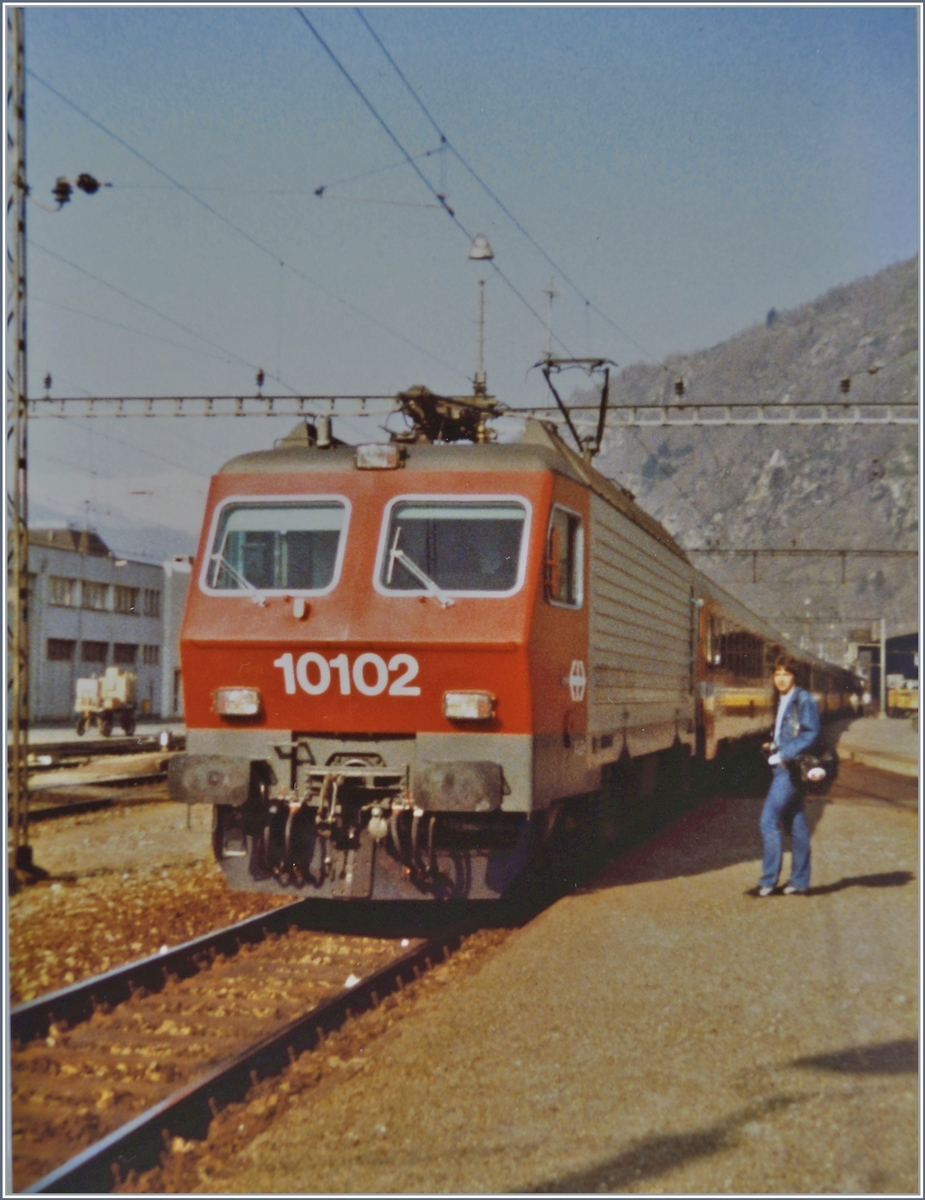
(641, 695)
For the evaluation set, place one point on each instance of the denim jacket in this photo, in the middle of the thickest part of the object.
(800, 727)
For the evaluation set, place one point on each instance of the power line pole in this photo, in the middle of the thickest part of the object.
(17, 443)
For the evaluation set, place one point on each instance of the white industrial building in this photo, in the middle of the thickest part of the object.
(177, 575)
(89, 610)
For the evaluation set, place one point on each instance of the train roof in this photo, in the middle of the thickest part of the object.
(539, 449)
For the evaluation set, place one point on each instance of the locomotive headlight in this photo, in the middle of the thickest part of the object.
(378, 456)
(237, 702)
(468, 706)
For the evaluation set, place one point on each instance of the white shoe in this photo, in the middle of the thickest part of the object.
(790, 890)
(765, 891)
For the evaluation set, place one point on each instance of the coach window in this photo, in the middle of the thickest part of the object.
(276, 546)
(564, 559)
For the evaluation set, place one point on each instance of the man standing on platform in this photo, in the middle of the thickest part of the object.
(796, 728)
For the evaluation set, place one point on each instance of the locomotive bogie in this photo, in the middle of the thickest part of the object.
(403, 853)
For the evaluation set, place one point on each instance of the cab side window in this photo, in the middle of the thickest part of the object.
(564, 558)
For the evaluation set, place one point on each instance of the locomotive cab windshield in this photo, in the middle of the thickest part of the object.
(276, 545)
(463, 547)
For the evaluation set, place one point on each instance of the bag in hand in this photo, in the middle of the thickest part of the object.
(817, 770)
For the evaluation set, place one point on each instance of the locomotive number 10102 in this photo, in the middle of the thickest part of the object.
(369, 674)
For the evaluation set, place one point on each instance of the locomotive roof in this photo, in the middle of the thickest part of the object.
(539, 449)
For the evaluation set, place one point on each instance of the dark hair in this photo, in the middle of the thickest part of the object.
(788, 662)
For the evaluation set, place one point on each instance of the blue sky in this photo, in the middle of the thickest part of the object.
(686, 168)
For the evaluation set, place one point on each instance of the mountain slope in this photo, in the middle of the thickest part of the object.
(791, 487)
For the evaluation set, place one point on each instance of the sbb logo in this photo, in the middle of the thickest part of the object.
(369, 675)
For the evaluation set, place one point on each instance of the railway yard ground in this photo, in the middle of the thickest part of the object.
(659, 1029)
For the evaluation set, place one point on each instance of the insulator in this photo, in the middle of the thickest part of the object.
(61, 191)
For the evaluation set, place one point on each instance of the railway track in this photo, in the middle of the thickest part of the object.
(74, 776)
(119, 1066)
(123, 1065)
(46, 755)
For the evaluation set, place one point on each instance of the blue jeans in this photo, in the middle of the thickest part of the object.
(783, 807)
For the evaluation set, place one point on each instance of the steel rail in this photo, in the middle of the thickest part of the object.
(139, 1144)
(75, 800)
(78, 1002)
(100, 746)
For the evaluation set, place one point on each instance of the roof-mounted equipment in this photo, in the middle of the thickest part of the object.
(445, 418)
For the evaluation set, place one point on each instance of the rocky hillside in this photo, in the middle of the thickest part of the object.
(853, 488)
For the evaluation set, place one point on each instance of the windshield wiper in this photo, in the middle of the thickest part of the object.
(257, 596)
(432, 588)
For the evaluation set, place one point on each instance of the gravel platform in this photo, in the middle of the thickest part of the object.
(662, 1030)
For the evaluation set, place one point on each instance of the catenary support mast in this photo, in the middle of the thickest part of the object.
(17, 417)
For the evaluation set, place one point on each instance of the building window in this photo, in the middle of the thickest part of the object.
(126, 600)
(151, 656)
(60, 649)
(152, 602)
(93, 652)
(124, 653)
(62, 592)
(94, 595)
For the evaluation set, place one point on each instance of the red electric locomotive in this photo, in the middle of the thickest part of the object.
(403, 661)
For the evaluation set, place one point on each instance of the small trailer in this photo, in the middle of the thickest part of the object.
(902, 698)
(104, 700)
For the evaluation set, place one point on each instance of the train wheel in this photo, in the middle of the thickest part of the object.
(80, 728)
(106, 725)
(128, 724)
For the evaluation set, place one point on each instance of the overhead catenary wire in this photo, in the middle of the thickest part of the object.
(116, 514)
(370, 200)
(150, 307)
(147, 161)
(409, 159)
(243, 233)
(491, 194)
(274, 191)
(82, 467)
(93, 430)
(326, 187)
(157, 337)
(322, 190)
